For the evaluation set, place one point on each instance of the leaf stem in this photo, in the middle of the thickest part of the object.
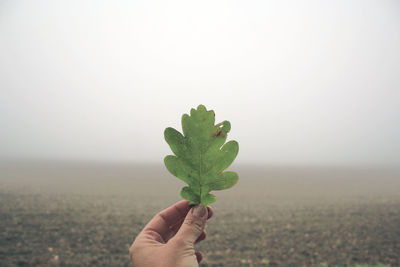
(200, 177)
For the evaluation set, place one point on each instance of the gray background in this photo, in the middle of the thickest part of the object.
(302, 82)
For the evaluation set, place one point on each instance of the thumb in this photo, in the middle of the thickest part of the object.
(193, 225)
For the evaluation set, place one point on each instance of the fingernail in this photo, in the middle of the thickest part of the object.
(199, 211)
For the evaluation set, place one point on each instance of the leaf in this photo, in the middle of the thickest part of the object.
(201, 155)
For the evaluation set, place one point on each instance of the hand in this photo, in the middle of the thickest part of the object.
(168, 239)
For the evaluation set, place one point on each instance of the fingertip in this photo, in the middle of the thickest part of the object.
(199, 256)
(184, 204)
(201, 237)
(210, 212)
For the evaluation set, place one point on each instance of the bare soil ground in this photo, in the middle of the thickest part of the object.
(88, 215)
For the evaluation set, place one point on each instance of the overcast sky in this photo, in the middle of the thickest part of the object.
(302, 82)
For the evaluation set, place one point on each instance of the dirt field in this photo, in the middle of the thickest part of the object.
(87, 215)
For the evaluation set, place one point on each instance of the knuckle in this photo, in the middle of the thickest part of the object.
(161, 216)
(195, 224)
(180, 242)
(158, 216)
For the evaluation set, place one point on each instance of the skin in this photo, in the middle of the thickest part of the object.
(168, 239)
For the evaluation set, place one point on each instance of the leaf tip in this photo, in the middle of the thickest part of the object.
(166, 131)
(201, 107)
(226, 126)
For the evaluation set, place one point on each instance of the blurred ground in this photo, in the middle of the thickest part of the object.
(72, 214)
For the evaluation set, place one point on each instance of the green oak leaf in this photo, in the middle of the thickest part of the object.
(201, 155)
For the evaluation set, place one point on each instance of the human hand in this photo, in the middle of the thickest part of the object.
(168, 239)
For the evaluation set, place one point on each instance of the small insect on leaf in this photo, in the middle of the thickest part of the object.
(201, 155)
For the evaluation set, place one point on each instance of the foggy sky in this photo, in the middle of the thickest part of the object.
(302, 82)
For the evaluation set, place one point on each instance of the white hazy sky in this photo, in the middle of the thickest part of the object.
(302, 82)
